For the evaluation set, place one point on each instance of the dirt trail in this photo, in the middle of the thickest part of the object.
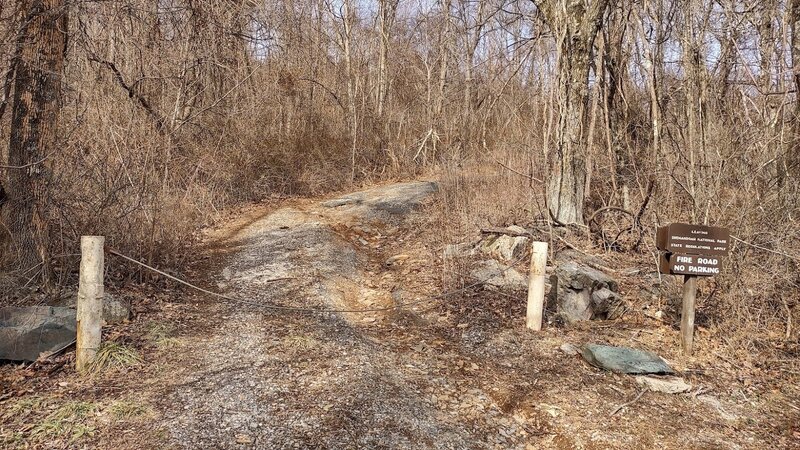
(435, 375)
(353, 380)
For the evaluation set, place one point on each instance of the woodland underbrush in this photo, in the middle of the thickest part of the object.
(751, 308)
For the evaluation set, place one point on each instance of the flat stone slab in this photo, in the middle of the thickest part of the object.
(391, 200)
(667, 385)
(624, 360)
(25, 333)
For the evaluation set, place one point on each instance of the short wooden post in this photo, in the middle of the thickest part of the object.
(536, 285)
(90, 300)
(687, 314)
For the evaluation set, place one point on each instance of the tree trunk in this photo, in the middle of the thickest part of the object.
(793, 155)
(575, 25)
(386, 15)
(36, 105)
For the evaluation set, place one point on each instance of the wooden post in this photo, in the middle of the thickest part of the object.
(536, 285)
(687, 314)
(90, 300)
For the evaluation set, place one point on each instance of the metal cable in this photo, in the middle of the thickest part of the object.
(311, 310)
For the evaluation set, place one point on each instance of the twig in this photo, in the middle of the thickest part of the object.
(133, 93)
(530, 177)
(765, 249)
(34, 163)
(619, 408)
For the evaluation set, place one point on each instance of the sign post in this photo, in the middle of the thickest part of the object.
(692, 251)
(687, 313)
(536, 286)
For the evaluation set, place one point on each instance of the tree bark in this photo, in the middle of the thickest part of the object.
(36, 107)
(386, 15)
(793, 155)
(575, 24)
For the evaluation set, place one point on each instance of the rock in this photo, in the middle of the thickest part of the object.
(624, 360)
(400, 199)
(506, 247)
(385, 202)
(115, 310)
(574, 305)
(493, 273)
(569, 349)
(25, 333)
(456, 250)
(583, 293)
(717, 405)
(344, 201)
(667, 385)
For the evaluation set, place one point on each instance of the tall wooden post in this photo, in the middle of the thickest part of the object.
(687, 314)
(90, 300)
(536, 285)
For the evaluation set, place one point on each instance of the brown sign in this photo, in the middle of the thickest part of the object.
(683, 264)
(693, 239)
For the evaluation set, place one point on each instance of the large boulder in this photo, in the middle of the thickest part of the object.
(25, 333)
(583, 293)
(506, 247)
(497, 275)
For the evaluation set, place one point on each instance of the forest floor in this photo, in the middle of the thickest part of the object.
(459, 372)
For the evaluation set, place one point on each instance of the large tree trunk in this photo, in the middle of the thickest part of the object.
(793, 154)
(36, 104)
(575, 24)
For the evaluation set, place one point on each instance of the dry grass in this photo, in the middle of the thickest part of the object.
(750, 310)
(113, 356)
(162, 335)
(43, 422)
(228, 125)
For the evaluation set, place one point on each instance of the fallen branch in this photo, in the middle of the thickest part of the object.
(505, 231)
(25, 166)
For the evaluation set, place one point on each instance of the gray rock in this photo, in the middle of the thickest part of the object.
(505, 247)
(624, 360)
(575, 306)
(666, 385)
(25, 333)
(385, 203)
(583, 293)
(343, 201)
(115, 310)
(498, 275)
(569, 349)
(401, 199)
(457, 250)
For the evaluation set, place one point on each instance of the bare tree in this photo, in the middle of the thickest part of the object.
(387, 10)
(575, 24)
(794, 24)
(35, 112)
